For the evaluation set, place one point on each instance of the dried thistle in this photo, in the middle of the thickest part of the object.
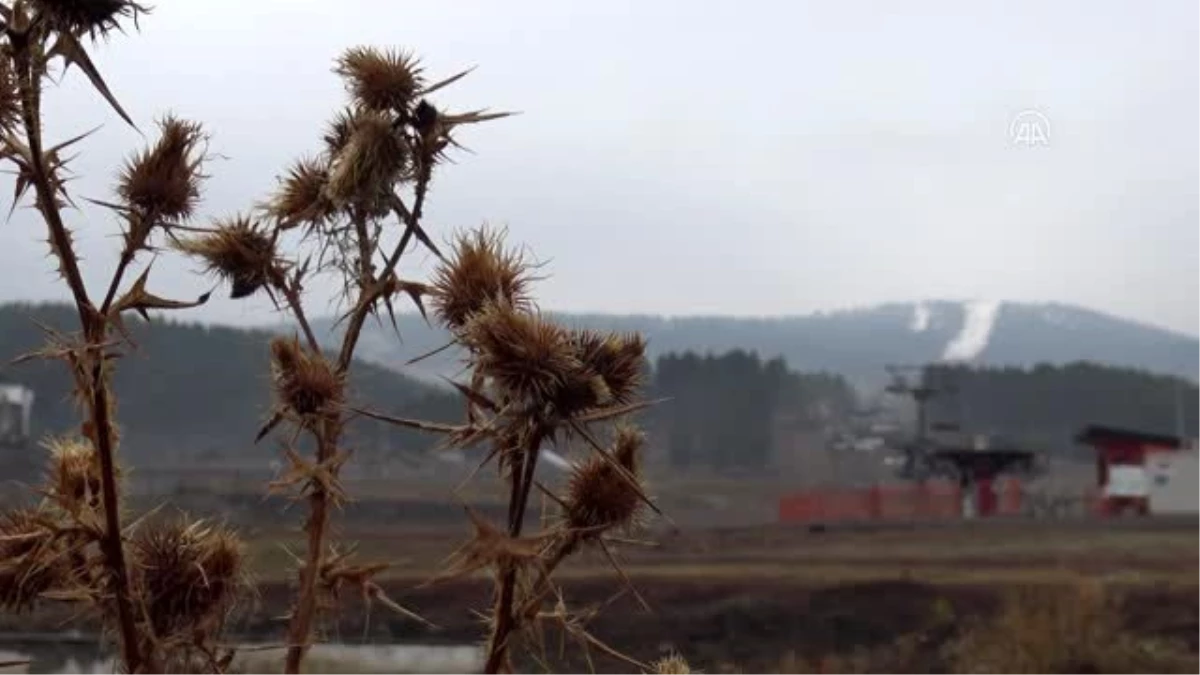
(239, 250)
(306, 383)
(164, 180)
(341, 127)
(672, 664)
(480, 271)
(93, 17)
(527, 356)
(301, 197)
(598, 496)
(380, 80)
(73, 477)
(30, 562)
(619, 358)
(187, 574)
(369, 164)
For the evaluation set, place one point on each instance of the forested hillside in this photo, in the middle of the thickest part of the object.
(729, 411)
(198, 392)
(1050, 404)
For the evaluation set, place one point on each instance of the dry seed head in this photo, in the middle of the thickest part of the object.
(527, 356)
(301, 195)
(372, 160)
(598, 496)
(480, 271)
(337, 135)
(239, 250)
(94, 17)
(580, 390)
(164, 180)
(380, 80)
(305, 382)
(616, 358)
(188, 574)
(73, 479)
(30, 561)
(674, 664)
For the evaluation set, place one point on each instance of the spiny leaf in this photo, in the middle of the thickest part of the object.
(72, 52)
(139, 299)
(446, 82)
(412, 424)
(426, 355)
(270, 424)
(618, 411)
(411, 227)
(474, 117)
(474, 396)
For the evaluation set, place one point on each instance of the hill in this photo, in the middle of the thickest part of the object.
(193, 392)
(859, 343)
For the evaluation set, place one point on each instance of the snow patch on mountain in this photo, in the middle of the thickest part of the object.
(978, 321)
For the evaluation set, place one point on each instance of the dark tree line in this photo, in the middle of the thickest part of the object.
(1048, 405)
(726, 411)
(193, 392)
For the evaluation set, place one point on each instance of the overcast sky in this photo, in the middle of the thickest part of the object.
(718, 158)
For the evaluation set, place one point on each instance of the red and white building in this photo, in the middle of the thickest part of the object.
(1144, 473)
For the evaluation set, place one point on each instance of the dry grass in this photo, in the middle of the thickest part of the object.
(1073, 627)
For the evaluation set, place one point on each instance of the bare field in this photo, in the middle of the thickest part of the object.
(754, 596)
(1150, 550)
(748, 596)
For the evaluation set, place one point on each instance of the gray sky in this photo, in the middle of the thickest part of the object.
(741, 158)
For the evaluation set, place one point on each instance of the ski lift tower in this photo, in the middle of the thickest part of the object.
(919, 462)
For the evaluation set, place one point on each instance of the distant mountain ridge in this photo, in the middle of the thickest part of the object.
(857, 343)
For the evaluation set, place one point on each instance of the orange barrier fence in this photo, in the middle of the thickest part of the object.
(933, 500)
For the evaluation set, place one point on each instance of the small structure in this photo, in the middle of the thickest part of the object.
(977, 467)
(16, 407)
(1122, 460)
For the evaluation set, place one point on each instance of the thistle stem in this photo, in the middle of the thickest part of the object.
(505, 620)
(300, 628)
(94, 328)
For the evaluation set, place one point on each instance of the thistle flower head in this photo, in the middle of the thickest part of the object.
(73, 478)
(480, 271)
(164, 179)
(598, 496)
(373, 158)
(673, 664)
(93, 17)
(306, 383)
(337, 134)
(30, 562)
(527, 356)
(188, 574)
(380, 80)
(616, 358)
(300, 198)
(239, 250)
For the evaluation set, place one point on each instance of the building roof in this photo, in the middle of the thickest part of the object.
(1096, 434)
